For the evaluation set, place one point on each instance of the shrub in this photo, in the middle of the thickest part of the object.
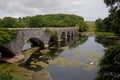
(6, 76)
(6, 35)
(110, 65)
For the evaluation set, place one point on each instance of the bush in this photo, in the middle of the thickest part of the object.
(82, 26)
(110, 65)
(6, 76)
(6, 35)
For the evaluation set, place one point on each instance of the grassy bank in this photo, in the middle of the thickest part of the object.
(16, 71)
(104, 34)
(91, 26)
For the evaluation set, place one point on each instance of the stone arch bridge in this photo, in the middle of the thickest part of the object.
(24, 34)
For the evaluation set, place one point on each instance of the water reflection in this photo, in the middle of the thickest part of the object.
(108, 40)
(43, 57)
(68, 61)
(75, 63)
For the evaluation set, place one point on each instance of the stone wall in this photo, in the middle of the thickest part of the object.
(16, 45)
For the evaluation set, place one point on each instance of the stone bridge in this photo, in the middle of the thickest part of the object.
(25, 34)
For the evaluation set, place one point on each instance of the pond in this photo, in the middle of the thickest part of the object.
(68, 63)
(79, 63)
(77, 60)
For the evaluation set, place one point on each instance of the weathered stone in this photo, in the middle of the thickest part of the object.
(25, 34)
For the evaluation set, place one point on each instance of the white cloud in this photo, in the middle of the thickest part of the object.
(89, 9)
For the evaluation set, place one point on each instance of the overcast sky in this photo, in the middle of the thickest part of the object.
(89, 9)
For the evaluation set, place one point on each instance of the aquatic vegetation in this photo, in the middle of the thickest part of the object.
(30, 51)
(65, 47)
(93, 57)
(108, 40)
(90, 57)
(63, 62)
(45, 51)
(42, 64)
(52, 47)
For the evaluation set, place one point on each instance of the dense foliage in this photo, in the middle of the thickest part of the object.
(110, 65)
(6, 76)
(82, 26)
(103, 25)
(115, 21)
(6, 35)
(8, 22)
(113, 4)
(49, 20)
(112, 22)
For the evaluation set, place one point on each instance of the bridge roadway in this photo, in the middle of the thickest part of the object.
(15, 47)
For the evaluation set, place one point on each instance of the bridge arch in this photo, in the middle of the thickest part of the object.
(6, 52)
(63, 35)
(53, 40)
(27, 34)
(33, 42)
(68, 34)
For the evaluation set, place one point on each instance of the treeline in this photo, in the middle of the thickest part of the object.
(111, 23)
(48, 20)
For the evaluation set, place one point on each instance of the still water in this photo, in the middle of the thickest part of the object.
(77, 61)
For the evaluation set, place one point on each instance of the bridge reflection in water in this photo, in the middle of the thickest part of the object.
(69, 60)
(44, 55)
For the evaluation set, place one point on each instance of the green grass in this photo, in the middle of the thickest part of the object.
(104, 33)
(91, 26)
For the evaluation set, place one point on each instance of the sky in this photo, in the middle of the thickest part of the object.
(90, 10)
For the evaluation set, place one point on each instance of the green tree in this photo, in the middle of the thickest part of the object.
(110, 65)
(115, 21)
(113, 4)
(99, 24)
(82, 26)
(6, 35)
(107, 24)
(8, 22)
(49, 20)
(114, 14)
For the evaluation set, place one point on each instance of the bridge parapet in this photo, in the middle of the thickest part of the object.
(25, 34)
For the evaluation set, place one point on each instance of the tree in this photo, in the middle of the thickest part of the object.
(6, 35)
(107, 24)
(48, 20)
(110, 65)
(82, 26)
(115, 21)
(114, 14)
(8, 22)
(99, 25)
(113, 4)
